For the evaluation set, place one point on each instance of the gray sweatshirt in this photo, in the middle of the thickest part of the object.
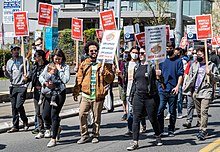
(15, 71)
(63, 73)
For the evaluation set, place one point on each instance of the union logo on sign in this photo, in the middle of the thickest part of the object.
(190, 35)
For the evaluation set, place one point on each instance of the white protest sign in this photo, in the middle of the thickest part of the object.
(108, 46)
(155, 42)
(129, 33)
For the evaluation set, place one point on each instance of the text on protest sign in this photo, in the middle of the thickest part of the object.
(129, 33)
(204, 27)
(77, 29)
(108, 20)
(140, 39)
(45, 14)
(10, 6)
(108, 46)
(21, 24)
(99, 34)
(155, 42)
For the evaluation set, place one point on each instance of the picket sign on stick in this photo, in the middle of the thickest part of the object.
(77, 53)
(206, 61)
(204, 32)
(158, 77)
(23, 54)
(44, 33)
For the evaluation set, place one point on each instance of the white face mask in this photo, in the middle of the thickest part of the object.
(189, 53)
(194, 57)
(38, 48)
(134, 56)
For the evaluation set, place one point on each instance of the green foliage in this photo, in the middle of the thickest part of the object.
(5, 55)
(90, 34)
(65, 40)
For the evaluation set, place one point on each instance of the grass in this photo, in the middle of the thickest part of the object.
(3, 78)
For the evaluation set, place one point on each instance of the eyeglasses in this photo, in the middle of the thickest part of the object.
(142, 53)
(93, 50)
(57, 59)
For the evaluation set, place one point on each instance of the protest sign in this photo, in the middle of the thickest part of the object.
(108, 46)
(51, 38)
(77, 29)
(129, 33)
(155, 42)
(191, 32)
(140, 39)
(203, 27)
(183, 42)
(9, 7)
(99, 34)
(21, 27)
(168, 33)
(45, 14)
(108, 20)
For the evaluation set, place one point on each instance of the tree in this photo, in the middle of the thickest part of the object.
(216, 18)
(158, 8)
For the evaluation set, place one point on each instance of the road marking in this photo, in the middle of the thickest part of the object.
(211, 146)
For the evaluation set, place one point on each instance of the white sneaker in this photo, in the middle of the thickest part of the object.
(39, 135)
(52, 143)
(167, 117)
(180, 116)
(40, 102)
(47, 134)
(53, 104)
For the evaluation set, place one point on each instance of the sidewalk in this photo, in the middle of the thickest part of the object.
(70, 108)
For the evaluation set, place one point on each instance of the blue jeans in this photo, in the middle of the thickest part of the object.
(165, 98)
(180, 101)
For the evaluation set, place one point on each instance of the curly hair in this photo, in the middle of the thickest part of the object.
(86, 48)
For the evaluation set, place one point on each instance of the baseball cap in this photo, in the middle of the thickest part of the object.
(13, 46)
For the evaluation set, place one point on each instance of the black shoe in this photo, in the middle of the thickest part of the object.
(133, 146)
(202, 135)
(12, 130)
(128, 134)
(124, 117)
(187, 125)
(35, 131)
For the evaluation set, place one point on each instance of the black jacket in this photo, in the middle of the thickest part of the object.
(36, 70)
(152, 87)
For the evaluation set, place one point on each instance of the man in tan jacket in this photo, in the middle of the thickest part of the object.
(93, 80)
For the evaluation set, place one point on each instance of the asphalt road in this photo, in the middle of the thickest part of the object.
(112, 139)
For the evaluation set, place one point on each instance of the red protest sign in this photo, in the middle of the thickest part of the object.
(214, 43)
(140, 39)
(168, 33)
(217, 40)
(77, 29)
(21, 27)
(183, 42)
(108, 20)
(203, 27)
(99, 34)
(45, 14)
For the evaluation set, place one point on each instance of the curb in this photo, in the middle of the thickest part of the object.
(4, 96)
(65, 114)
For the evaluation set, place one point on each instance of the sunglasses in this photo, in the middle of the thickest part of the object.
(93, 50)
(58, 59)
(142, 53)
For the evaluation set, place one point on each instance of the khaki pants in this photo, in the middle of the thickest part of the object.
(85, 106)
(202, 107)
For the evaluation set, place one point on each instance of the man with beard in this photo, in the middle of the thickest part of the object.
(93, 80)
(171, 72)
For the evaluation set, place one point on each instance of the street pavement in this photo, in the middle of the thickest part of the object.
(112, 139)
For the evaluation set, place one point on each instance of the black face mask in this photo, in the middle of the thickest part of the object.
(170, 52)
(199, 59)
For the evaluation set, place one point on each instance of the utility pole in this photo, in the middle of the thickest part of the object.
(119, 13)
(179, 22)
(101, 7)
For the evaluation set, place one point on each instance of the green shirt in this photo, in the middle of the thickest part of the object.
(92, 95)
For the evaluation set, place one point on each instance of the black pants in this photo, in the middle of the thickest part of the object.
(38, 110)
(142, 102)
(51, 113)
(17, 97)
